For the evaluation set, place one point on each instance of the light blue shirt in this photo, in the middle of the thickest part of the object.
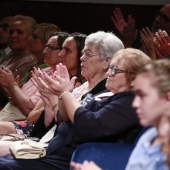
(146, 156)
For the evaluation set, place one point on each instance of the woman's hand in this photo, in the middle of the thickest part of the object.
(162, 44)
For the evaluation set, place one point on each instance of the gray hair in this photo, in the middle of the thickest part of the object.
(106, 43)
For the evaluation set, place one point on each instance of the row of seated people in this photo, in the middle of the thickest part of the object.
(91, 58)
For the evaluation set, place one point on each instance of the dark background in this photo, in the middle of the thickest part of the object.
(78, 17)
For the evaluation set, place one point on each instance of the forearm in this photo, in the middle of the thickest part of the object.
(48, 116)
(70, 103)
(62, 111)
(36, 112)
(21, 99)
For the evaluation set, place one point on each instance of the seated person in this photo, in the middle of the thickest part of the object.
(19, 59)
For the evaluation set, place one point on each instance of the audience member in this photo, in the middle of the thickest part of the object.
(19, 59)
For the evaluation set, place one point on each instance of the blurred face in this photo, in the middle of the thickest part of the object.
(69, 55)
(51, 52)
(4, 30)
(162, 20)
(149, 104)
(91, 65)
(18, 35)
(36, 44)
(117, 80)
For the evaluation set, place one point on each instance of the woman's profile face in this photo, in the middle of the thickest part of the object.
(91, 65)
(117, 82)
(148, 102)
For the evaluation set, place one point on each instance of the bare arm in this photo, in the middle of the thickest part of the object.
(35, 113)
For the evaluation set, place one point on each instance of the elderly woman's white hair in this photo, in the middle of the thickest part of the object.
(107, 43)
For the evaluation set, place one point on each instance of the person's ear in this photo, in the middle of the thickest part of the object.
(106, 63)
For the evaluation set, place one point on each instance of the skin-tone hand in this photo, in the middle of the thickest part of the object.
(85, 166)
(147, 42)
(57, 84)
(162, 44)
(127, 30)
(118, 20)
(7, 79)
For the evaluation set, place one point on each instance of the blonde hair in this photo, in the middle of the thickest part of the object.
(134, 60)
(46, 30)
(161, 70)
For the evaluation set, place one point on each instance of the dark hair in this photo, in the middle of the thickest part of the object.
(80, 39)
(61, 37)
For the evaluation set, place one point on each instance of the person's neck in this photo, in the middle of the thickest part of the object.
(40, 57)
(95, 80)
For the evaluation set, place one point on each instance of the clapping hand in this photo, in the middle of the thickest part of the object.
(127, 30)
(162, 44)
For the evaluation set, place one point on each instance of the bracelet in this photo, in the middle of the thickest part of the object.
(63, 93)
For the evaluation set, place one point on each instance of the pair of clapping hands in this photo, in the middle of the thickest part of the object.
(55, 84)
(157, 43)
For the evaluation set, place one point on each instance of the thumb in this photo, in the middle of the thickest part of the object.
(73, 79)
(72, 83)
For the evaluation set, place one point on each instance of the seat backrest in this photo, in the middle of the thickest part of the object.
(106, 155)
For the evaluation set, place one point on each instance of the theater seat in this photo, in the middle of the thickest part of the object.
(107, 155)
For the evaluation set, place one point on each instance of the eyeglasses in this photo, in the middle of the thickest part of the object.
(89, 54)
(4, 26)
(163, 16)
(51, 47)
(115, 70)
